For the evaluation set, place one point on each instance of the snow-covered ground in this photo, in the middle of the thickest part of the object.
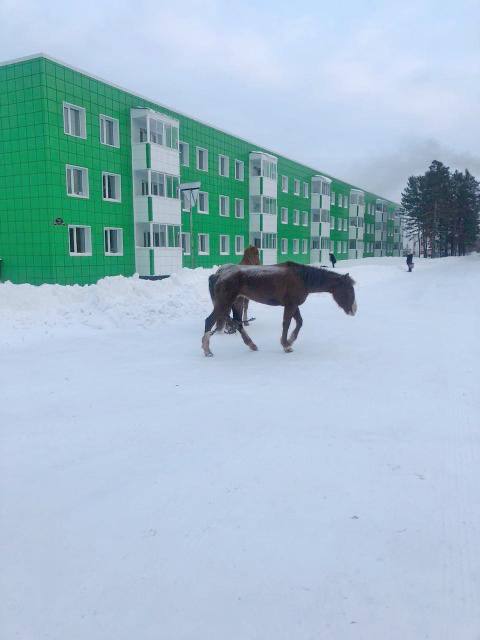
(150, 493)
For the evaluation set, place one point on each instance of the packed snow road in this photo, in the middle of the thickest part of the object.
(149, 492)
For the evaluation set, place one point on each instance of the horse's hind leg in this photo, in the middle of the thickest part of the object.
(298, 325)
(237, 318)
(209, 322)
(288, 313)
(245, 312)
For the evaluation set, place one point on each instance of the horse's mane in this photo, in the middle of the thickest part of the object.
(251, 255)
(318, 276)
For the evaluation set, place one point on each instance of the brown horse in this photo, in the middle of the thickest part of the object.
(287, 285)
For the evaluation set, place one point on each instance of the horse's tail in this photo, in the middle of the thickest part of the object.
(212, 281)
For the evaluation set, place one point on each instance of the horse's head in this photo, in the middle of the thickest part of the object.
(251, 256)
(344, 294)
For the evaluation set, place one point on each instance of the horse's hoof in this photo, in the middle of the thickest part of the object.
(288, 349)
(253, 347)
(208, 354)
(246, 323)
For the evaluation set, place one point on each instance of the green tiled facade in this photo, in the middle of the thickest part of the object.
(36, 211)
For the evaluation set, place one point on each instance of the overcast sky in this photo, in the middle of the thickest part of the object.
(368, 91)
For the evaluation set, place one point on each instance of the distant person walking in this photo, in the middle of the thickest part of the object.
(333, 260)
(410, 262)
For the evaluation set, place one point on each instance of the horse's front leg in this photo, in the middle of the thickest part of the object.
(298, 325)
(287, 318)
(237, 318)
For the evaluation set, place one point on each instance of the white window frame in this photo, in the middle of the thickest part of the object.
(88, 240)
(69, 183)
(224, 237)
(296, 246)
(239, 251)
(202, 193)
(239, 170)
(185, 246)
(284, 215)
(284, 184)
(296, 217)
(118, 185)
(296, 187)
(225, 199)
(225, 160)
(207, 244)
(119, 230)
(116, 131)
(199, 149)
(304, 246)
(67, 124)
(284, 246)
(305, 218)
(187, 146)
(239, 202)
(305, 189)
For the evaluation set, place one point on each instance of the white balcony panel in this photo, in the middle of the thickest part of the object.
(254, 183)
(269, 256)
(142, 261)
(165, 159)
(139, 156)
(166, 210)
(315, 229)
(314, 256)
(269, 223)
(269, 187)
(141, 208)
(167, 261)
(255, 222)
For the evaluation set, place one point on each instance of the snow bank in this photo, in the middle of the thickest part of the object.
(112, 302)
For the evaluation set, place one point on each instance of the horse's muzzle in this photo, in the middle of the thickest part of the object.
(353, 310)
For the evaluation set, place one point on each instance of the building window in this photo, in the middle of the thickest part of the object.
(224, 206)
(239, 245)
(325, 214)
(305, 218)
(325, 243)
(223, 166)
(304, 245)
(111, 187)
(80, 240)
(345, 202)
(224, 245)
(305, 189)
(184, 150)
(163, 133)
(353, 244)
(332, 198)
(239, 208)
(285, 184)
(74, 120)
(185, 243)
(109, 131)
(202, 206)
(316, 242)
(163, 185)
(284, 215)
(77, 181)
(284, 246)
(113, 241)
(203, 244)
(296, 187)
(296, 216)
(202, 159)
(239, 170)
(295, 245)
(269, 241)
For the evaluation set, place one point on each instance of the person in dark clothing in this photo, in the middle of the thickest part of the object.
(410, 262)
(333, 260)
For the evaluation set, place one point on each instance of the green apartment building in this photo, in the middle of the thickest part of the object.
(93, 183)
